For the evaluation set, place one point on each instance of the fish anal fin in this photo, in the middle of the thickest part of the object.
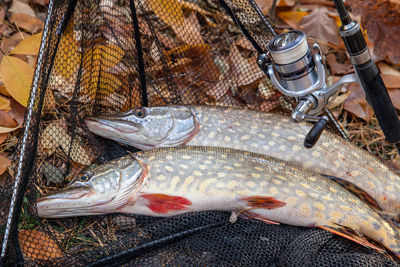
(261, 202)
(253, 215)
(351, 235)
(162, 203)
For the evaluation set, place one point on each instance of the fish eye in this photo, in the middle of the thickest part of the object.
(140, 113)
(84, 178)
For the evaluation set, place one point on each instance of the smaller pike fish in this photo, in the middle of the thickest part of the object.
(259, 132)
(171, 181)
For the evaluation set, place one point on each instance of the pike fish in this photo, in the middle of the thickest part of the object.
(171, 181)
(265, 133)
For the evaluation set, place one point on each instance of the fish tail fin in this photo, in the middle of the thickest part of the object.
(351, 235)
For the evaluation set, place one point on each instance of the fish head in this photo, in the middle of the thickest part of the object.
(105, 189)
(147, 127)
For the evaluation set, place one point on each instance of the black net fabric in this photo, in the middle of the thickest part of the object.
(104, 57)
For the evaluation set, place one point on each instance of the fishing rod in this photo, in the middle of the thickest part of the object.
(300, 72)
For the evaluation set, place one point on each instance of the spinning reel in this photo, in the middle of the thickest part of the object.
(299, 71)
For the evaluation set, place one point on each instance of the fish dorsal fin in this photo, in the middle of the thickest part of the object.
(351, 235)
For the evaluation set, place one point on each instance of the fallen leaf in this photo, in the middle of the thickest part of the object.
(52, 173)
(17, 77)
(286, 3)
(4, 103)
(381, 20)
(28, 46)
(336, 67)
(6, 120)
(292, 18)
(339, 100)
(67, 59)
(19, 7)
(56, 135)
(390, 76)
(264, 5)
(27, 23)
(17, 111)
(102, 57)
(38, 246)
(4, 161)
(8, 44)
(395, 96)
(245, 71)
(357, 104)
(7, 130)
(321, 26)
(169, 11)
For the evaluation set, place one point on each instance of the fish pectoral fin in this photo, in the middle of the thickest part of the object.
(260, 202)
(162, 203)
(253, 215)
(351, 235)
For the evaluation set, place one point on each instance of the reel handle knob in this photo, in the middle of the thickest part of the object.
(315, 132)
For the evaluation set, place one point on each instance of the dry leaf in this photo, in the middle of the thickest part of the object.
(17, 111)
(38, 246)
(390, 76)
(4, 103)
(6, 120)
(67, 58)
(381, 20)
(339, 100)
(321, 26)
(3, 137)
(28, 46)
(4, 161)
(17, 77)
(26, 22)
(7, 45)
(102, 57)
(338, 67)
(56, 135)
(357, 104)
(292, 18)
(245, 71)
(264, 5)
(286, 3)
(19, 7)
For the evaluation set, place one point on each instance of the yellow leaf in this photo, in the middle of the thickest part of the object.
(102, 57)
(103, 84)
(28, 46)
(4, 103)
(169, 11)
(17, 77)
(292, 18)
(4, 163)
(38, 246)
(67, 58)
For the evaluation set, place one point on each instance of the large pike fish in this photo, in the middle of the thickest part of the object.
(269, 134)
(171, 181)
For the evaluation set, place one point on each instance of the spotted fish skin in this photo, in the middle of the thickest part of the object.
(171, 181)
(269, 134)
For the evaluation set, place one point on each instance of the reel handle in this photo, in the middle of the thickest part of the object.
(315, 132)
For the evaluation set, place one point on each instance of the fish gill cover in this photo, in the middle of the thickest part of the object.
(105, 57)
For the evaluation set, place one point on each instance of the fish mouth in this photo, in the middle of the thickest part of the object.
(65, 203)
(100, 125)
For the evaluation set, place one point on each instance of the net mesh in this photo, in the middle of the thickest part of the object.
(104, 57)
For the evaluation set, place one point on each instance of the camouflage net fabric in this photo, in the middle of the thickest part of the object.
(105, 57)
